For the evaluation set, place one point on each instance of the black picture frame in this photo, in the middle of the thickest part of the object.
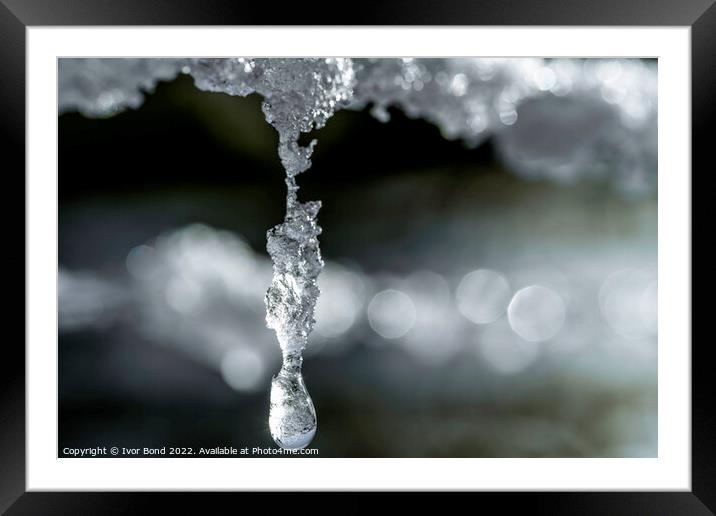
(17, 15)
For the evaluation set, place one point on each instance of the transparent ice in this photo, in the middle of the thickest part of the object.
(299, 95)
(292, 417)
(290, 304)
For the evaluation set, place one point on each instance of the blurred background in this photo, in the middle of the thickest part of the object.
(465, 312)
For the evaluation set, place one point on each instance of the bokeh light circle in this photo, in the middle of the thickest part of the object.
(482, 296)
(536, 313)
(391, 314)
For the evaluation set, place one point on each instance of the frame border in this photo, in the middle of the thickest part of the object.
(17, 15)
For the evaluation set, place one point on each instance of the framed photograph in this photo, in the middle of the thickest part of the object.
(388, 256)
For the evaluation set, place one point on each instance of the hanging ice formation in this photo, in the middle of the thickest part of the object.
(558, 119)
(293, 245)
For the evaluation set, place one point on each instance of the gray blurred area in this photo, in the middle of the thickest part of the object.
(465, 311)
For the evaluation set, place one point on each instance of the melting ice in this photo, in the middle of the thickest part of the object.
(290, 303)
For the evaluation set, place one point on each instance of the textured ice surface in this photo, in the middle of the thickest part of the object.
(299, 94)
(558, 119)
(292, 296)
(102, 87)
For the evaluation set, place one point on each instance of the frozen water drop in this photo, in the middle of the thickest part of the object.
(292, 416)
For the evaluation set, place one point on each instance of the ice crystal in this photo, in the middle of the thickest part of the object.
(290, 301)
(299, 96)
(292, 417)
(102, 87)
(558, 119)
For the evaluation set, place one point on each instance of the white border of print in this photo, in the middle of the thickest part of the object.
(671, 470)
